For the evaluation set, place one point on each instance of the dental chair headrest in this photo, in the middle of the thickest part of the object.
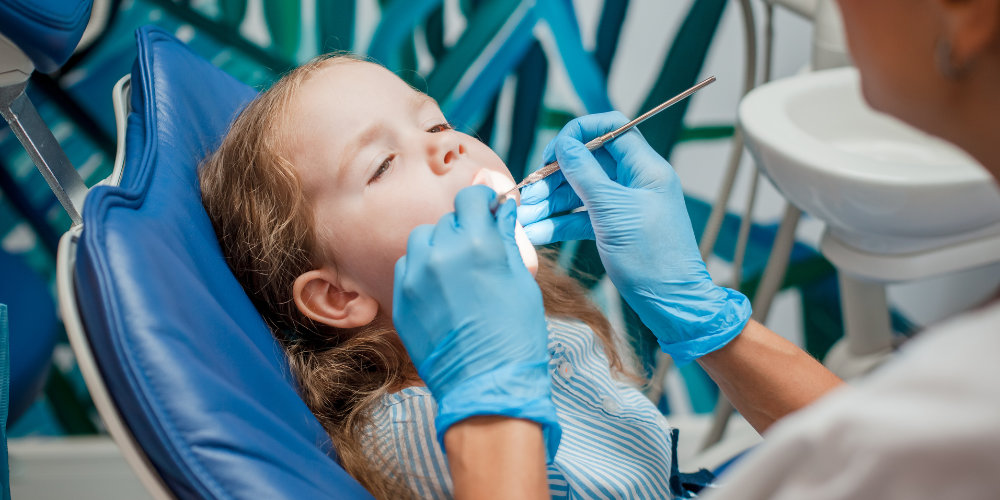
(47, 31)
(191, 366)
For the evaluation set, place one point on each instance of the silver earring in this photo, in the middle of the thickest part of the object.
(943, 58)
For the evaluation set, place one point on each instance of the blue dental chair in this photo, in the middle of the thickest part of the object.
(181, 367)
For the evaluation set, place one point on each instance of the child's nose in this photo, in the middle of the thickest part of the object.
(444, 151)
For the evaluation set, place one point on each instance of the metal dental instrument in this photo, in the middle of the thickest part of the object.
(596, 143)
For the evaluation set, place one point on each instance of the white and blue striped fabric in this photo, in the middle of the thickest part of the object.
(615, 443)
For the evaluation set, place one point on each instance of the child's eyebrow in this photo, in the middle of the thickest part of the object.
(360, 141)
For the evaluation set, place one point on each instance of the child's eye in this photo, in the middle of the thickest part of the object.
(441, 127)
(382, 169)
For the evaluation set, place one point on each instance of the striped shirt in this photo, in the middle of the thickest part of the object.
(615, 443)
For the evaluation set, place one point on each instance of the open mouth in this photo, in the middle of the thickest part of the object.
(501, 184)
(497, 181)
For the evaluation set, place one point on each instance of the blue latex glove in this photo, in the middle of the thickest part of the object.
(635, 210)
(471, 316)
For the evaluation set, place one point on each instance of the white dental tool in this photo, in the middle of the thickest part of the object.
(597, 142)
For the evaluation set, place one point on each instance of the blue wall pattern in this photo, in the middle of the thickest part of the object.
(497, 47)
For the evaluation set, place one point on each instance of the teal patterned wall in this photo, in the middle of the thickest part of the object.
(485, 61)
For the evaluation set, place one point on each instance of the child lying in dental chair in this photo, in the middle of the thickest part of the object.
(313, 194)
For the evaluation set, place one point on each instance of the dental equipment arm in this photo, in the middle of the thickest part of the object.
(471, 317)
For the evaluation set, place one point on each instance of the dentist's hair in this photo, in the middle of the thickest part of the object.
(265, 225)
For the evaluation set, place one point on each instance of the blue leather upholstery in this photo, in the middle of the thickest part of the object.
(47, 31)
(190, 364)
(34, 330)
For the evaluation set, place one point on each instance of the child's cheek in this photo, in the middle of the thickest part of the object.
(501, 183)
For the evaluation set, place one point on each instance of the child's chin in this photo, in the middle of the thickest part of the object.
(502, 183)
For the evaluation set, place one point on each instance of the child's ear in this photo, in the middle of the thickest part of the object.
(324, 299)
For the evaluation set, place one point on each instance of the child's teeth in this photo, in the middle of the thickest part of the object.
(501, 184)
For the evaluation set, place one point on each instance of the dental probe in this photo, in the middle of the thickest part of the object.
(597, 142)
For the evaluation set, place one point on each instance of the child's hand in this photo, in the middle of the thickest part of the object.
(471, 316)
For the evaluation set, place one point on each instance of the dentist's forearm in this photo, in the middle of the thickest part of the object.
(494, 457)
(765, 376)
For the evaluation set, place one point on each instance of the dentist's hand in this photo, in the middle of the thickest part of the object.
(636, 213)
(471, 316)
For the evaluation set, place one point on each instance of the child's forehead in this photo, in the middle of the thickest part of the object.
(338, 99)
(360, 77)
(355, 91)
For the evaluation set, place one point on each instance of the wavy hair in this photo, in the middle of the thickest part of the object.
(265, 227)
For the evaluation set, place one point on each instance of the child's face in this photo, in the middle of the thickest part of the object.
(376, 159)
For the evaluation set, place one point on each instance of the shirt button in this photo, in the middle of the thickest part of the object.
(565, 369)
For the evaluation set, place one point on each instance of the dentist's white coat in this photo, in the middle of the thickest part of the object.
(924, 426)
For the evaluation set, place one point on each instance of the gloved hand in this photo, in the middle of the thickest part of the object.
(635, 210)
(471, 316)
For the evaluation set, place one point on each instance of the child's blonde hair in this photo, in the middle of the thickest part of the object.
(265, 227)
